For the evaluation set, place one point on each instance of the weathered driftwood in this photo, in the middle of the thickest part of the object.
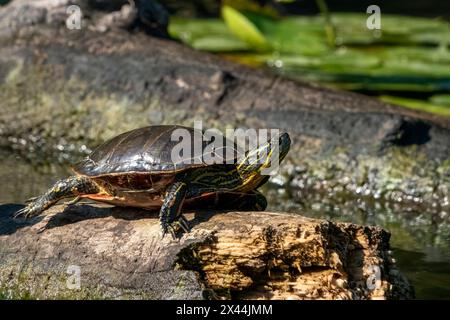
(241, 255)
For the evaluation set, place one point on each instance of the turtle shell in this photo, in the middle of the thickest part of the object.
(147, 150)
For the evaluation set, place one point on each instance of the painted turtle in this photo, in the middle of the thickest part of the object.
(136, 169)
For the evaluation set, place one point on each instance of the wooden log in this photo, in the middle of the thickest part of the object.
(119, 253)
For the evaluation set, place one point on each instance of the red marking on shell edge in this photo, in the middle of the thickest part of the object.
(98, 196)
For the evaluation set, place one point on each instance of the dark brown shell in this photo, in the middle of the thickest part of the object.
(144, 150)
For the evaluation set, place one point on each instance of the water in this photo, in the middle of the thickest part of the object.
(420, 240)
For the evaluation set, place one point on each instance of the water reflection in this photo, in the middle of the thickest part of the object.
(420, 238)
(22, 180)
(431, 278)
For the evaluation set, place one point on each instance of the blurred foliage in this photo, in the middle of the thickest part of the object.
(418, 104)
(408, 54)
(441, 99)
(244, 29)
(264, 8)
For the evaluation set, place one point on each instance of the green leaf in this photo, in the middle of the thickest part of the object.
(244, 29)
(351, 29)
(441, 99)
(417, 105)
(220, 44)
(188, 30)
(206, 34)
(295, 36)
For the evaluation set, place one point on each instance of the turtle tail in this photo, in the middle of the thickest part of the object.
(70, 187)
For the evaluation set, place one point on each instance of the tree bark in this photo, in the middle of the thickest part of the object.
(120, 253)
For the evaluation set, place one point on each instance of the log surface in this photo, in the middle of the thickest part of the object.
(239, 255)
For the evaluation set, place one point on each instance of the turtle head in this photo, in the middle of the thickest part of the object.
(264, 160)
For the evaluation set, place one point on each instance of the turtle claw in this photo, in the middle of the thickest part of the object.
(171, 230)
(183, 224)
(173, 233)
(21, 212)
(33, 208)
(32, 199)
(26, 212)
(175, 226)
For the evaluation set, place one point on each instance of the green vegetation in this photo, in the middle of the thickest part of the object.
(418, 104)
(407, 55)
(244, 29)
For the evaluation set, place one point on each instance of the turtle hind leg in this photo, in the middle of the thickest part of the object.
(170, 213)
(69, 187)
(252, 201)
(234, 200)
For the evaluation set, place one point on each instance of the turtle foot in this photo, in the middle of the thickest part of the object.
(34, 207)
(25, 212)
(175, 227)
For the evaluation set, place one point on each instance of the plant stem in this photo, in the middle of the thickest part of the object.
(329, 27)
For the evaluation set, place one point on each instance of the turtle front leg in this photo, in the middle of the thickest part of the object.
(170, 213)
(70, 187)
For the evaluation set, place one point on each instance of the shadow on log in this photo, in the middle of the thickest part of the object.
(119, 253)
